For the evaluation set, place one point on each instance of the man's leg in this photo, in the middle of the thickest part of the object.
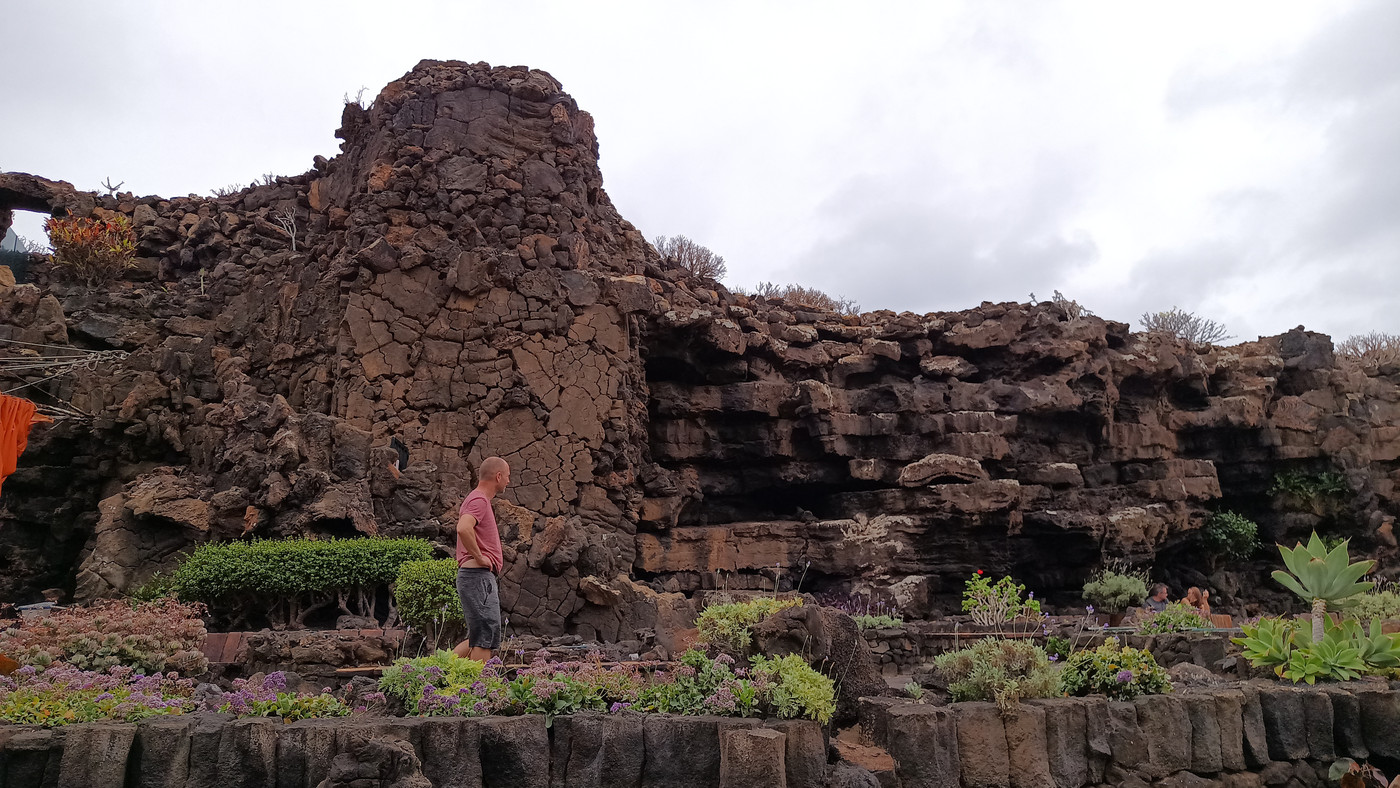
(465, 596)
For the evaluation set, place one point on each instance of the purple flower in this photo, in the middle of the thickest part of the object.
(276, 680)
(1054, 657)
(1125, 676)
(478, 689)
(1089, 609)
(616, 707)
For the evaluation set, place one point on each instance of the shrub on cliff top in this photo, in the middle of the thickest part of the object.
(93, 251)
(292, 578)
(728, 625)
(1375, 347)
(807, 296)
(691, 256)
(154, 637)
(1185, 325)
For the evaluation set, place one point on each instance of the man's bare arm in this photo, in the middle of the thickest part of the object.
(466, 531)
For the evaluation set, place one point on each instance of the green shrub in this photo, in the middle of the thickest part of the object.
(996, 603)
(1114, 589)
(291, 578)
(878, 622)
(445, 671)
(1118, 672)
(1231, 535)
(727, 625)
(426, 595)
(1057, 648)
(158, 586)
(1176, 617)
(1375, 606)
(999, 670)
(795, 689)
(1310, 486)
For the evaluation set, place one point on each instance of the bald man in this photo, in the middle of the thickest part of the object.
(479, 561)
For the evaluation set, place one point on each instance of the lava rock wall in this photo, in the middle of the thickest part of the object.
(458, 279)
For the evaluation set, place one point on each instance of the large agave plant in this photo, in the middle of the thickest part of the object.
(1322, 578)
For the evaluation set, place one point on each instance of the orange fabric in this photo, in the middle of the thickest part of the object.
(17, 415)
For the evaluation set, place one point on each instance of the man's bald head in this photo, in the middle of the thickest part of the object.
(494, 473)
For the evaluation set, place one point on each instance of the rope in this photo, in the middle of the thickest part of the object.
(78, 359)
(37, 382)
(40, 344)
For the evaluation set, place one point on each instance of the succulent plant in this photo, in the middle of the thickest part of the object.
(1322, 577)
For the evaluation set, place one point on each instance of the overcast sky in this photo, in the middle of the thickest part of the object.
(1239, 159)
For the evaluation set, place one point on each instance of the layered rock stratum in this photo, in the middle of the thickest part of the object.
(458, 279)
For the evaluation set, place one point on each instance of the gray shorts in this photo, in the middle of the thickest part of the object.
(481, 606)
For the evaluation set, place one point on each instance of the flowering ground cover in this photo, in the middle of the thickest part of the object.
(62, 694)
(783, 687)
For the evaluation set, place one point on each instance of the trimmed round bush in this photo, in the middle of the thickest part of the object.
(426, 594)
(290, 578)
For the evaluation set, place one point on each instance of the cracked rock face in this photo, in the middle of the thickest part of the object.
(457, 278)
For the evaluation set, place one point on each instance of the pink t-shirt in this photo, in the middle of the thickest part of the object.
(488, 538)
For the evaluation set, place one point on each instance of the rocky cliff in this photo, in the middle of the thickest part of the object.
(457, 278)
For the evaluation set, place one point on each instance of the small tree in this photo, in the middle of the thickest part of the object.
(1375, 346)
(1185, 325)
(1322, 577)
(691, 256)
(807, 296)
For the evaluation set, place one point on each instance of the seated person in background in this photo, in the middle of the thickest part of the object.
(1198, 599)
(1157, 599)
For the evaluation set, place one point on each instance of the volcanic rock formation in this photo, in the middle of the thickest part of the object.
(458, 279)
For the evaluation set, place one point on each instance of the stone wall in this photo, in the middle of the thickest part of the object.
(1250, 735)
(457, 278)
(1242, 736)
(214, 751)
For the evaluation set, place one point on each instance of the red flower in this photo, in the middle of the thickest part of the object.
(979, 571)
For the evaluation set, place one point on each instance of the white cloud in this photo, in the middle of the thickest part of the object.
(1234, 159)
